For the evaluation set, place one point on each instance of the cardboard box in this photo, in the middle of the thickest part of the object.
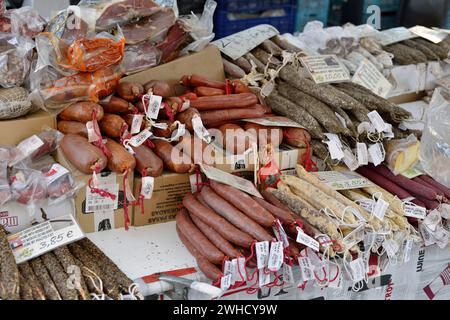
(207, 62)
(168, 192)
(107, 218)
(15, 130)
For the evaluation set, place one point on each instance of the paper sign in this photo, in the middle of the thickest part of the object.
(368, 76)
(342, 180)
(303, 238)
(275, 122)
(394, 35)
(44, 237)
(429, 34)
(232, 180)
(238, 44)
(325, 68)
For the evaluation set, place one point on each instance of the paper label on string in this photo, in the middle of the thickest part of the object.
(44, 237)
(194, 183)
(280, 234)
(92, 133)
(427, 236)
(227, 267)
(148, 184)
(376, 154)
(414, 211)
(341, 120)
(154, 105)
(429, 34)
(358, 268)
(200, 130)
(391, 247)
(345, 180)
(336, 152)
(366, 204)
(350, 160)
(306, 268)
(267, 89)
(140, 138)
(407, 246)
(325, 68)
(432, 220)
(262, 254)
(275, 121)
(377, 121)
(225, 282)
(387, 133)
(288, 274)
(303, 238)
(263, 278)
(229, 179)
(354, 237)
(369, 77)
(238, 270)
(380, 209)
(97, 202)
(55, 172)
(136, 123)
(276, 256)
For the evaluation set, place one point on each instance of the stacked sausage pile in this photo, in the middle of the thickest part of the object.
(47, 277)
(221, 222)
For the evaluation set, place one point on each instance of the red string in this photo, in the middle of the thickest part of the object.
(169, 111)
(198, 184)
(141, 197)
(101, 192)
(125, 201)
(310, 165)
(99, 142)
(228, 87)
(252, 248)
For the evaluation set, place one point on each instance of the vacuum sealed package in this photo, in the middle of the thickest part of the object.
(141, 56)
(60, 184)
(5, 190)
(402, 154)
(27, 22)
(28, 187)
(14, 103)
(435, 144)
(15, 59)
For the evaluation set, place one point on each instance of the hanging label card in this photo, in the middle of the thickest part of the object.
(429, 34)
(225, 282)
(148, 184)
(280, 234)
(303, 238)
(376, 154)
(306, 268)
(369, 77)
(377, 121)
(325, 68)
(414, 211)
(345, 180)
(362, 154)
(136, 123)
(276, 256)
(358, 268)
(262, 254)
(140, 138)
(380, 209)
(288, 274)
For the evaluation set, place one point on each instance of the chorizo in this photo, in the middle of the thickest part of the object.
(230, 101)
(81, 111)
(240, 87)
(186, 117)
(117, 105)
(159, 88)
(208, 92)
(285, 216)
(196, 80)
(73, 127)
(296, 137)
(147, 161)
(120, 160)
(180, 164)
(130, 91)
(83, 155)
(111, 125)
(266, 135)
(217, 116)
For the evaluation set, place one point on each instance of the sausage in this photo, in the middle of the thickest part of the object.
(186, 116)
(240, 220)
(221, 243)
(73, 127)
(266, 135)
(240, 87)
(230, 101)
(81, 112)
(129, 120)
(196, 80)
(217, 116)
(147, 161)
(235, 139)
(296, 137)
(243, 64)
(285, 216)
(270, 198)
(293, 249)
(215, 221)
(244, 203)
(208, 92)
(159, 88)
(120, 160)
(182, 163)
(197, 238)
(83, 155)
(163, 133)
(232, 70)
(130, 91)
(196, 149)
(111, 125)
(209, 269)
(117, 105)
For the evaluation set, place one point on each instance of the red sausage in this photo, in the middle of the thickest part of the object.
(285, 216)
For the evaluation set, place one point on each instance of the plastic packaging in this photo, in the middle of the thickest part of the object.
(139, 57)
(60, 184)
(14, 102)
(402, 154)
(26, 22)
(15, 59)
(28, 187)
(5, 190)
(435, 144)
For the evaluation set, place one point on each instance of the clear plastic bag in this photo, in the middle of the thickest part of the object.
(435, 144)
(26, 22)
(15, 59)
(28, 187)
(60, 184)
(139, 57)
(402, 154)
(5, 190)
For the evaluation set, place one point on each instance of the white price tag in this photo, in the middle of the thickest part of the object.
(366, 204)
(96, 202)
(306, 268)
(350, 160)
(280, 234)
(380, 209)
(369, 77)
(200, 129)
(55, 172)
(342, 180)
(228, 267)
(358, 269)
(148, 184)
(263, 278)
(140, 138)
(154, 105)
(303, 238)
(407, 246)
(225, 282)
(276, 256)
(427, 236)
(335, 150)
(44, 237)
(238, 270)
(288, 275)
(434, 36)
(376, 154)
(414, 211)
(325, 68)
(391, 247)
(363, 156)
(195, 180)
(377, 121)
(136, 123)
(262, 254)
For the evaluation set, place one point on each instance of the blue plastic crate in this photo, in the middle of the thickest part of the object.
(309, 10)
(385, 5)
(303, 19)
(224, 26)
(252, 5)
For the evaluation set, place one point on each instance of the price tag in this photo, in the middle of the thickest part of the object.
(225, 282)
(154, 105)
(96, 202)
(369, 77)
(345, 180)
(407, 246)
(429, 34)
(366, 204)
(377, 121)
(238, 268)
(335, 150)
(44, 237)
(391, 247)
(262, 254)
(263, 278)
(276, 256)
(325, 68)
(412, 173)
(288, 274)
(55, 172)
(362, 153)
(414, 211)
(306, 268)
(136, 123)
(303, 238)
(280, 234)
(148, 184)
(350, 160)
(358, 268)
(227, 268)
(140, 138)
(354, 237)
(195, 180)
(376, 154)
(380, 209)
(427, 236)
(394, 35)
(92, 132)
(200, 130)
